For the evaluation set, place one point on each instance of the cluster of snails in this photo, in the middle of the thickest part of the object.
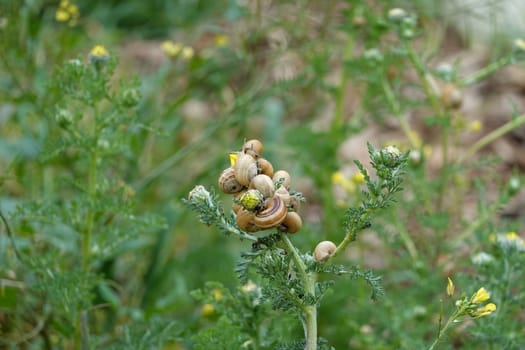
(262, 197)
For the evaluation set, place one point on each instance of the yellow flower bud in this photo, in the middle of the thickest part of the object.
(480, 296)
(450, 287)
(484, 310)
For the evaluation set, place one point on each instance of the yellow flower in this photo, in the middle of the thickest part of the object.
(98, 53)
(187, 53)
(217, 294)
(338, 178)
(475, 126)
(171, 49)
(358, 178)
(233, 158)
(480, 296)
(484, 310)
(67, 12)
(207, 310)
(450, 287)
(221, 40)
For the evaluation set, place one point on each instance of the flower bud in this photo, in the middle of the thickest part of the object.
(131, 97)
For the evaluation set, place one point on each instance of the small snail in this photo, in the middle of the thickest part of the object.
(283, 194)
(228, 183)
(264, 184)
(245, 169)
(245, 221)
(252, 200)
(253, 147)
(292, 223)
(272, 214)
(265, 167)
(282, 177)
(324, 250)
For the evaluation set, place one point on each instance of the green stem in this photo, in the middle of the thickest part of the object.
(486, 71)
(445, 328)
(495, 134)
(396, 108)
(310, 311)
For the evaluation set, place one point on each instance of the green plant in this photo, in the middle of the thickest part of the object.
(288, 278)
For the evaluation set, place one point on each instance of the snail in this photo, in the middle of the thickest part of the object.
(283, 194)
(324, 250)
(245, 169)
(245, 221)
(253, 147)
(294, 203)
(292, 222)
(283, 178)
(272, 214)
(264, 184)
(265, 167)
(228, 183)
(252, 200)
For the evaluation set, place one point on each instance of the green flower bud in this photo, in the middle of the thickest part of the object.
(64, 118)
(131, 97)
(252, 200)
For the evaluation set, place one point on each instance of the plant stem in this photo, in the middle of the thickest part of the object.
(310, 311)
(495, 134)
(445, 328)
(486, 71)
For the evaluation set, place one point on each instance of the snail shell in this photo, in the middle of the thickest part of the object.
(265, 167)
(245, 169)
(228, 183)
(324, 250)
(264, 184)
(245, 221)
(283, 194)
(272, 214)
(253, 147)
(291, 223)
(282, 176)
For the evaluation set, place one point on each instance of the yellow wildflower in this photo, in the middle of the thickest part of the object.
(217, 294)
(170, 48)
(233, 158)
(480, 296)
(221, 40)
(67, 12)
(98, 54)
(207, 310)
(358, 178)
(484, 310)
(187, 53)
(475, 125)
(450, 287)
(338, 178)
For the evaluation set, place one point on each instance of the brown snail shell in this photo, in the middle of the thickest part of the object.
(265, 167)
(324, 250)
(282, 176)
(264, 184)
(228, 183)
(292, 223)
(253, 147)
(272, 214)
(245, 169)
(283, 194)
(245, 221)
